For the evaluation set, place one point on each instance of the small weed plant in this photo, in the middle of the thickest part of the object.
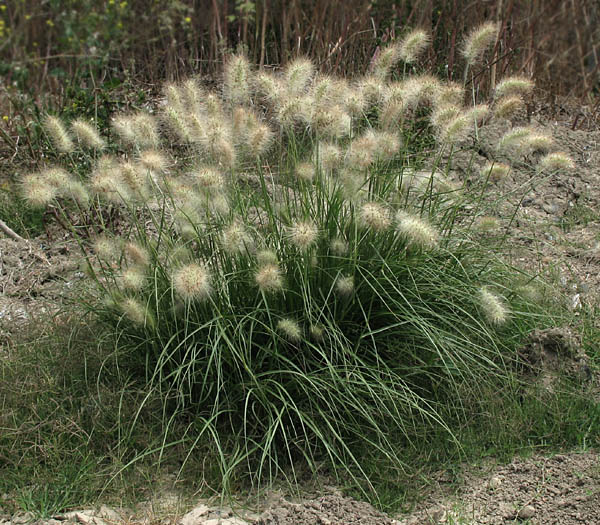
(276, 265)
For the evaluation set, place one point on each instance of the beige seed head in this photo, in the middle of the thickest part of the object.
(106, 248)
(78, 192)
(237, 78)
(305, 171)
(137, 254)
(133, 279)
(145, 131)
(495, 171)
(385, 60)
(37, 191)
(134, 310)
(413, 45)
(153, 160)
(493, 307)
(338, 246)
(303, 234)
(507, 107)
(58, 134)
(328, 155)
(268, 278)
(556, 161)
(417, 233)
(514, 86)
(297, 74)
(290, 329)
(456, 130)
(443, 115)
(87, 134)
(235, 239)
(192, 282)
(344, 285)
(208, 179)
(123, 125)
(374, 216)
(478, 41)
(57, 177)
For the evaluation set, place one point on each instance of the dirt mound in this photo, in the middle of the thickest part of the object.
(563, 489)
(327, 510)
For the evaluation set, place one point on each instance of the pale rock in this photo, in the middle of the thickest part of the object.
(195, 516)
(527, 512)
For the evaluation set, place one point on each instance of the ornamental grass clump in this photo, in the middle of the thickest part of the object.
(263, 268)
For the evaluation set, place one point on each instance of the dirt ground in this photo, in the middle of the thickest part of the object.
(555, 231)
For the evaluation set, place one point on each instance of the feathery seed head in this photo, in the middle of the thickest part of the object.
(362, 151)
(507, 107)
(133, 279)
(514, 139)
(37, 191)
(329, 156)
(290, 329)
(297, 74)
(191, 97)
(135, 180)
(413, 45)
(57, 177)
(317, 332)
(456, 129)
(135, 311)
(344, 285)
(372, 89)
(417, 233)
(192, 282)
(87, 134)
(493, 307)
(208, 179)
(391, 115)
(78, 192)
(512, 86)
(236, 239)
(305, 171)
(338, 246)
(374, 216)
(478, 113)
(478, 41)
(145, 131)
(58, 134)
(123, 126)
(556, 161)
(537, 142)
(303, 234)
(450, 93)
(418, 90)
(385, 60)
(386, 144)
(260, 140)
(443, 115)
(106, 248)
(137, 254)
(153, 160)
(268, 278)
(236, 81)
(487, 224)
(268, 86)
(495, 171)
(355, 101)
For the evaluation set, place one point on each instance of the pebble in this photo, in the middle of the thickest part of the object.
(527, 512)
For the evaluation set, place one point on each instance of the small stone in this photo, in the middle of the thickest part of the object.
(23, 517)
(527, 512)
(109, 514)
(194, 516)
(495, 483)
